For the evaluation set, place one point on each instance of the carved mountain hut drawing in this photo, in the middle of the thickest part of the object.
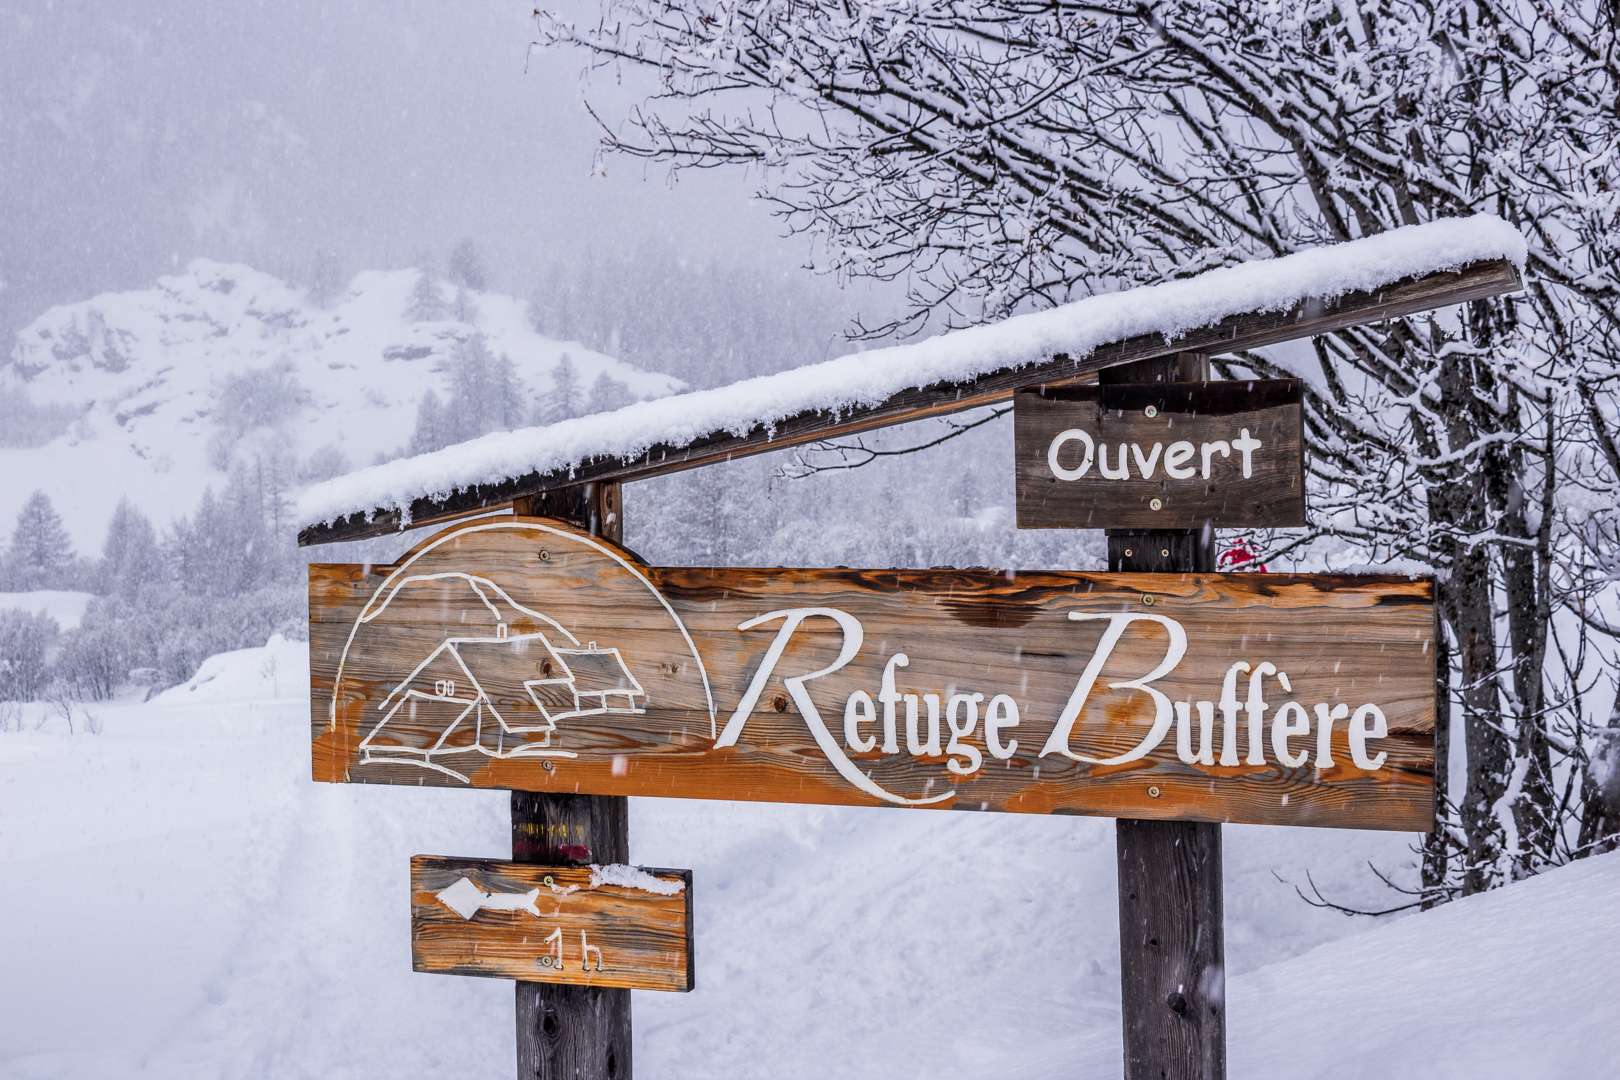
(497, 689)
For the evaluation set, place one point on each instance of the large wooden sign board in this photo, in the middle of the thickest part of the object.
(1160, 455)
(524, 654)
(588, 925)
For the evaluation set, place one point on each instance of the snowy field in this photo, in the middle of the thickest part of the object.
(180, 900)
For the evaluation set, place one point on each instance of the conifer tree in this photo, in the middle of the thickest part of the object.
(467, 266)
(426, 303)
(41, 554)
(608, 393)
(566, 400)
(130, 558)
(430, 433)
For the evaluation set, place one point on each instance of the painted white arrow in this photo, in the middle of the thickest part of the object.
(466, 899)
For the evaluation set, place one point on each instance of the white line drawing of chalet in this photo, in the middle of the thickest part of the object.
(491, 690)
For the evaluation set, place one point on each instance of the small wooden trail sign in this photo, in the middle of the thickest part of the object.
(591, 926)
(525, 654)
(1160, 455)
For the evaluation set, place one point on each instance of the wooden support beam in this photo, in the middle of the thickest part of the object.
(566, 1031)
(1172, 945)
(1247, 331)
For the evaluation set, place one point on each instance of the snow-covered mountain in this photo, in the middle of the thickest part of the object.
(147, 373)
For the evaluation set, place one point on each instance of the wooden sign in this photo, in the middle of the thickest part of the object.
(589, 925)
(525, 654)
(1160, 455)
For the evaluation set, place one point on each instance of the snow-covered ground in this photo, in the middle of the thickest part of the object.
(180, 900)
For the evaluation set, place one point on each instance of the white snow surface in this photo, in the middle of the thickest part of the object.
(143, 369)
(633, 877)
(868, 378)
(181, 901)
(67, 608)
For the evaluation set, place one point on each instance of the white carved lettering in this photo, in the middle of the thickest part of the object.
(1145, 465)
(1071, 435)
(1245, 445)
(1291, 719)
(1174, 457)
(1324, 732)
(1229, 719)
(853, 636)
(1001, 714)
(919, 749)
(1124, 471)
(858, 711)
(889, 699)
(1360, 733)
(1164, 714)
(1257, 713)
(1209, 448)
(956, 746)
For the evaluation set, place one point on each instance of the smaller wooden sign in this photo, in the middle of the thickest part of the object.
(590, 925)
(1160, 455)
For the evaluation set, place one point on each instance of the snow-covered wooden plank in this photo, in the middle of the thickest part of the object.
(1402, 272)
(523, 654)
(620, 926)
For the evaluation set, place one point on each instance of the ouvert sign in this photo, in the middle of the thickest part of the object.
(1160, 455)
(525, 654)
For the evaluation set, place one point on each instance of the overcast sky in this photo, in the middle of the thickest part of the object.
(134, 137)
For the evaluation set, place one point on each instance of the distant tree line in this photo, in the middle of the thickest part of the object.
(226, 577)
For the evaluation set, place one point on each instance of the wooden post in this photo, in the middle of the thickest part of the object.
(573, 1032)
(1172, 946)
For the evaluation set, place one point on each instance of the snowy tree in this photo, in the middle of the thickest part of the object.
(1003, 156)
(41, 555)
(432, 431)
(565, 401)
(25, 641)
(131, 560)
(426, 303)
(467, 266)
(325, 279)
(608, 393)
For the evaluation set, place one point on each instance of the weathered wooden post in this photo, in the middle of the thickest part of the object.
(1172, 946)
(563, 1030)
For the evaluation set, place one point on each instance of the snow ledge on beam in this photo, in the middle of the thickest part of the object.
(867, 378)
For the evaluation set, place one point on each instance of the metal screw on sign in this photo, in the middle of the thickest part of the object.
(1128, 553)
(545, 556)
(547, 879)
(547, 765)
(1153, 792)
(1148, 599)
(1157, 504)
(1151, 411)
(1165, 553)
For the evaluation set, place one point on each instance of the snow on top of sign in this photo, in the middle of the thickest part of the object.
(868, 378)
(633, 877)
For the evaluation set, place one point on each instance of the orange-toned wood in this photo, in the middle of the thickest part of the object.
(526, 654)
(553, 924)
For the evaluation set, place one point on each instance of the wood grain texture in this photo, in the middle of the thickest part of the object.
(585, 935)
(1124, 457)
(1247, 331)
(1172, 947)
(524, 654)
(564, 1030)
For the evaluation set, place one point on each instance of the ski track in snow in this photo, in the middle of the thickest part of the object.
(182, 901)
